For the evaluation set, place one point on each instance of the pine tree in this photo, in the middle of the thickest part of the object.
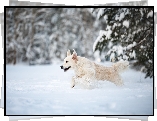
(128, 36)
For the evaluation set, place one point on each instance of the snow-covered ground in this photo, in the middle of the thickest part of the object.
(45, 90)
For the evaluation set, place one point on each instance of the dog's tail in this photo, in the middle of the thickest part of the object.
(121, 66)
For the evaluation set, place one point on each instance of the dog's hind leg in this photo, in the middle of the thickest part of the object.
(119, 81)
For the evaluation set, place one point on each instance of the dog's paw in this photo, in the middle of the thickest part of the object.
(72, 86)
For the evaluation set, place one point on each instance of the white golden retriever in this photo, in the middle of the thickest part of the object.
(88, 70)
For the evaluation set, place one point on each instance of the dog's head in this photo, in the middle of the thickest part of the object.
(70, 61)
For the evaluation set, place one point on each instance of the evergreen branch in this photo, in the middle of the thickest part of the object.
(143, 40)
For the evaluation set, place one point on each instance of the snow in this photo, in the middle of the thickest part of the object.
(54, 19)
(126, 23)
(110, 44)
(112, 57)
(141, 46)
(141, 12)
(100, 12)
(97, 56)
(150, 14)
(115, 34)
(120, 50)
(127, 12)
(134, 43)
(95, 43)
(120, 17)
(106, 18)
(150, 61)
(45, 90)
(102, 33)
(133, 54)
(129, 46)
(91, 10)
(125, 57)
(40, 23)
(99, 39)
(114, 25)
(108, 34)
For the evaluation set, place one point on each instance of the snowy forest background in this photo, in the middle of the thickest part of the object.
(43, 35)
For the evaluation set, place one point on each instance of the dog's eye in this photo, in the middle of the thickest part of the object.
(66, 61)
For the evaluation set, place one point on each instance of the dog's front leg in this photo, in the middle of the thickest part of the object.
(73, 81)
(89, 77)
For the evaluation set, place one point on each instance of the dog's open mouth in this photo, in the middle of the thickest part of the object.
(67, 69)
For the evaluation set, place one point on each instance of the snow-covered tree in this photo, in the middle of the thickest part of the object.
(128, 36)
(43, 35)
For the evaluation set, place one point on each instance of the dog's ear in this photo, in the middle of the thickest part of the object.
(68, 53)
(74, 51)
(74, 56)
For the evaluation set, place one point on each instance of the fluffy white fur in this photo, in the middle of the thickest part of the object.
(88, 70)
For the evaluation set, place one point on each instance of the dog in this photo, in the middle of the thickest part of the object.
(88, 70)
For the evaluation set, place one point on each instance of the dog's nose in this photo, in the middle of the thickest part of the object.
(61, 67)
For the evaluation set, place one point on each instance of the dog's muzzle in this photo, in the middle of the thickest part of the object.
(65, 69)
